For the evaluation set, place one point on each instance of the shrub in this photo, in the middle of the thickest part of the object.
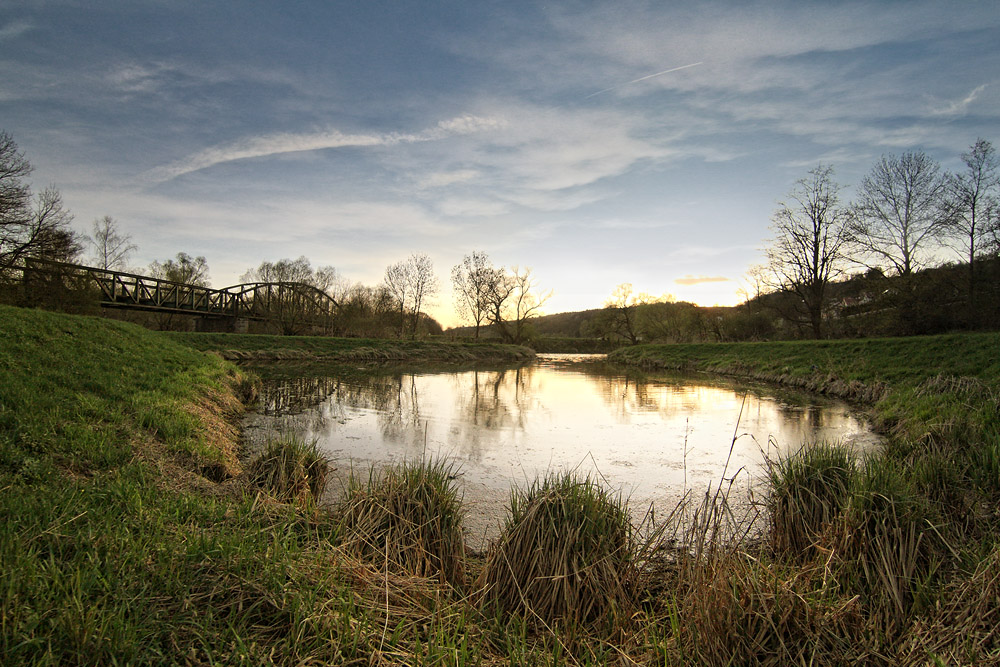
(408, 516)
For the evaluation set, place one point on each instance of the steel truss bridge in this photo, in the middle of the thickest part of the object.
(281, 301)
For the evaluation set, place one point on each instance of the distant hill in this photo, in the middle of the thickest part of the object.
(569, 325)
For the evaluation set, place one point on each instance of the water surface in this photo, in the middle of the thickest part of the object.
(651, 437)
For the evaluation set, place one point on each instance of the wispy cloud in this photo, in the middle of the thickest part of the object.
(643, 78)
(958, 107)
(284, 143)
(15, 29)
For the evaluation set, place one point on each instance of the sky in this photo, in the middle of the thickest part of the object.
(595, 143)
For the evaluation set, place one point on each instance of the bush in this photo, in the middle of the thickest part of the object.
(408, 516)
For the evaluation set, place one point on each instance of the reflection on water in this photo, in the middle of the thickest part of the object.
(653, 438)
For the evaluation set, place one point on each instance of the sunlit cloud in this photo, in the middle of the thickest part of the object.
(701, 280)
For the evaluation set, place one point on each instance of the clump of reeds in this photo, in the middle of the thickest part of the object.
(731, 602)
(892, 541)
(808, 490)
(568, 554)
(290, 469)
(407, 517)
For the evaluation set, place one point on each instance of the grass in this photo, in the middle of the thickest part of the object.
(409, 517)
(807, 492)
(243, 347)
(130, 533)
(568, 554)
(291, 470)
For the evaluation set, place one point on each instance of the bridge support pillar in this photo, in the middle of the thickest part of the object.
(240, 325)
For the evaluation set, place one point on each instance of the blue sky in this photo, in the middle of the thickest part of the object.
(597, 143)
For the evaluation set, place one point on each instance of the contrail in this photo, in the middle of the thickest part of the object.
(642, 78)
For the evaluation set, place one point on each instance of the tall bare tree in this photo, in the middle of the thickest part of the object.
(30, 226)
(292, 310)
(397, 284)
(471, 282)
(807, 251)
(423, 284)
(900, 210)
(411, 282)
(973, 206)
(182, 269)
(620, 316)
(110, 248)
(513, 299)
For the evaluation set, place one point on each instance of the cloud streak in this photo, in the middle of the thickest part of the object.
(642, 78)
(961, 106)
(285, 143)
(700, 280)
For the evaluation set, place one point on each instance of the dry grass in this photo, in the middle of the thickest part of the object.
(291, 470)
(808, 491)
(568, 555)
(408, 518)
(964, 628)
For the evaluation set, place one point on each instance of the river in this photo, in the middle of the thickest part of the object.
(653, 438)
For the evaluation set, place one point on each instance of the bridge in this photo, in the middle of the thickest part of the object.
(285, 302)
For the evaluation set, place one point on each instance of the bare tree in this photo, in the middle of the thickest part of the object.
(973, 205)
(294, 312)
(411, 282)
(182, 269)
(30, 226)
(423, 284)
(471, 281)
(111, 249)
(900, 210)
(397, 284)
(512, 300)
(807, 251)
(620, 315)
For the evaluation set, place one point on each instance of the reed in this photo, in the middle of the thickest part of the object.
(407, 517)
(290, 469)
(568, 555)
(808, 490)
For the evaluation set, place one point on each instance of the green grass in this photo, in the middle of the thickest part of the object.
(878, 548)
(291, 470)
(326, 348)
(568, 554)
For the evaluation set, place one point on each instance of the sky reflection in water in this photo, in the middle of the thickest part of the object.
(652, 438)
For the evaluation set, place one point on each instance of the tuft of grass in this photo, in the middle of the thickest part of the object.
(568, 555)
(808, 490)
(407, 517)
(892, 542)
(291, 470)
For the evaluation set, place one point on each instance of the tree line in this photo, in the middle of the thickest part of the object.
(906, 212)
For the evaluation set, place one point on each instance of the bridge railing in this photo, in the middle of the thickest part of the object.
(284, 302)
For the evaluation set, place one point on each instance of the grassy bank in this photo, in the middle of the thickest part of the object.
(131, 533)
(903, 380)
(906, 538)
(247, 347)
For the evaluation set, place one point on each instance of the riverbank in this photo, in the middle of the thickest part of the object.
(130, 535)
(259, 347)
